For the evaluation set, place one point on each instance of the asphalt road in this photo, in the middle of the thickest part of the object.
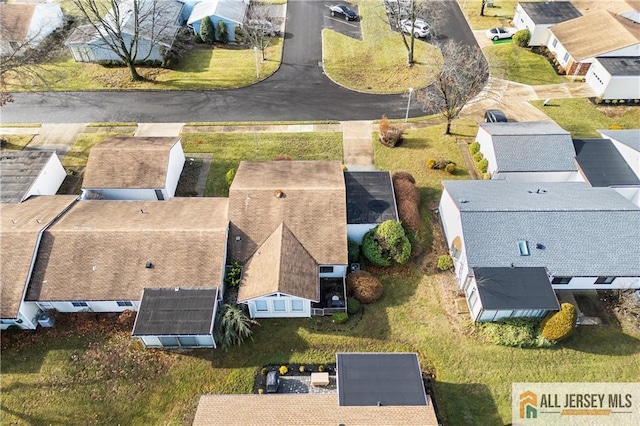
(298, 91)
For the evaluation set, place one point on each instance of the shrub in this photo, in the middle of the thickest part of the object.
(340, 317)
(263, 371)
(410, 216)
(353, 306)
(431, 163)
(283, 370)
(353, 250)
(261, 391)
(474, 148)
(222, 35)
(483, 165)
(389, 134)
(450, 168)
(321, 368)
(558, 325)
(486, 176)
(386, 244)
(207, 32)
(364, 287)
(406, 191)
(515, 332)
(232, 279)
(522, 37)
(302, 369)
(234, 326)
(478, 156)
(229, 176)
(445, 262)
(402, 175)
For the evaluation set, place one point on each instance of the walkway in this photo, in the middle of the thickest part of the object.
(357, 146)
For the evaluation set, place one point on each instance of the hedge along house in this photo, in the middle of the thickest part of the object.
(370, 201)
(288, 227)
(586, 238)
(528, 152)
(615, 77)
(151, 38)
(101, 255)
(577, 42)
(230, 12)
(27, 173)
(537, 17)
(133, 168)
(21, 229)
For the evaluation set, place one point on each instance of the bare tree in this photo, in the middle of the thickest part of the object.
(131, 29)
(463, 75)
(258, 30)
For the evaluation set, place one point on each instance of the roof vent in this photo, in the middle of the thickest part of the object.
(540, 246)
(523, 248)
(278, 193)
(148, 265)
(462, 201)
(379, 404)
(238, 238)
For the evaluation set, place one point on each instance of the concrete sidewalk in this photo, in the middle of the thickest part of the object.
(357, 146)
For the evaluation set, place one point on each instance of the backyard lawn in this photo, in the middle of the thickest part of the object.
(511, 62)
(496, 16)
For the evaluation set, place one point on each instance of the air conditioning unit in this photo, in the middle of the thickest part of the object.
(45, 320)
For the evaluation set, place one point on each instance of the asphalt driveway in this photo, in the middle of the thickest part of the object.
(298, 91)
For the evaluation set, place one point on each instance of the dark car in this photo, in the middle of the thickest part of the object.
(495, 116)
(273, 381)
(344, 11)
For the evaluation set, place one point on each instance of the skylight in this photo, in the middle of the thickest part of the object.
(523, 247)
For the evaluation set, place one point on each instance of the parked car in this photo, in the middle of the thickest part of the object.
(344, 11)
(264, 26)
(273, 381)
(495, 116)
(499, 33)
(420, 27)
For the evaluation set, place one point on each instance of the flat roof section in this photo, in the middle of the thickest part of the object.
(370, 197)
(602, 164)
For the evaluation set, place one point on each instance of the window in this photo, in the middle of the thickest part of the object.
(79, 304)
(261, 306)
(159, 194)
(124, 303)
(279, 306)
(473, 298)
(605, 280)
(168, 342)
(566, 57)
(326, 269)
(188, 341)
(561, 280)
(554, 43)
(297, 305)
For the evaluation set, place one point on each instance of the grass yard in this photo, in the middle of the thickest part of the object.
(378, 63)
(497, 16)
(582, 118)
(230, 148)
(511, 62)
(15, 142)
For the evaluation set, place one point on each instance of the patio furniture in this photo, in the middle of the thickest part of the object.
(319, 379)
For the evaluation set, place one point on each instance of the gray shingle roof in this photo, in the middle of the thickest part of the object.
(582, 231)
(531, 146)
(628, 137)
(18, 172)
(621, 65)
(602, 164)
(550, 12)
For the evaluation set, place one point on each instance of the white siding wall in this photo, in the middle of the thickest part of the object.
(631, 194)
(539, 33)
(540, 176)
(46, 18)
(271, 304)
(93, 306)
(559, 51)
(486, 148)
(631, 156)
(452, 226)
(338, 271)
(176, 163)
(633, 50)
(50, 178)
(598, 78)
(126, 194)
(588, 283)
(356, 231)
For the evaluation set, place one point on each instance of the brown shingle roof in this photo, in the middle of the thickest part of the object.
(595, 33)
(312, 206)
(98, 250)
(20, 225)
(304, 409)
(129, 162)
(281, 264)
(15, 19)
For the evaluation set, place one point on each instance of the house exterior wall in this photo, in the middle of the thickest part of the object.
(539, 33)
(47, 17)
(486, 148)
(588, 283)
(98, 51)
(479, 314)
(452, 226)
(338, 272)
(122, 193)
(607, 86)
(539, 176)
(27, 318)
(631, 194)
(49, 180)
(631, 156)
(269, 307)
(92, 306)
(356, 231)
(176, 164)
(202, 341)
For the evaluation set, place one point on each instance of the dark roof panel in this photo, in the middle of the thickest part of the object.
(183, 311)
(515, 288)
(370, 197)
(621, 65)
(602, 164)
(388, 379)
(550, 12)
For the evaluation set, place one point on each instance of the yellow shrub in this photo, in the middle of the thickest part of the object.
(560, 324)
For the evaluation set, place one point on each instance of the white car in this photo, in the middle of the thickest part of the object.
(499, 33)
(420, 27)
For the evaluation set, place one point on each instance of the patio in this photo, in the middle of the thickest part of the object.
(333, 297)
(302, 384)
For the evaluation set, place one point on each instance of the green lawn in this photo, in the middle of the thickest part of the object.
(496, 16)
(15, 142)
(511, 62)
(230, 148)
(378, 63)
(582, 118)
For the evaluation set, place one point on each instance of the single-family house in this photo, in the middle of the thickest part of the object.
(21, 229)
(537, 17)
(149, 34)
(577, 42)
(231, 13)
(26, 173)
(615, 77)
(101, 255)
(370, 201)
(133, 168)
(25, 25)
(288, 227)
(528, 151)
(583, 237)
(372, 389)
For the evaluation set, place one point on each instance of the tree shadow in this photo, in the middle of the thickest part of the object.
(603, 340)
